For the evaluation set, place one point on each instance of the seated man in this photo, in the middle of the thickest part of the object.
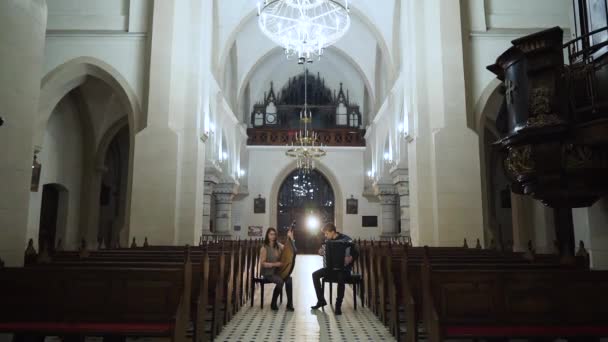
(329, 230)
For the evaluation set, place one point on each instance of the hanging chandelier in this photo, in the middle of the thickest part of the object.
(304, 28)
(306, 147)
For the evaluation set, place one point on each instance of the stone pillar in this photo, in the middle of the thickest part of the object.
(388, 217)
(521, 231)
(402, 184)
(156, 189)
(22, 38)
(445, 188)
(224, 194)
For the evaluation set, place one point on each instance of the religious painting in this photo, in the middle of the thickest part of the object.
(255, 231)
(36, 168)
(259, 205)
(352, 205)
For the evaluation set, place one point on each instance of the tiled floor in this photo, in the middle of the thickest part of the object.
(255, 324)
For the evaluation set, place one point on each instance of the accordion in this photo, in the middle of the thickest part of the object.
(335, 252)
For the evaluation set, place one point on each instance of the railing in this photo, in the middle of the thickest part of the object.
(327, 137)
(585, 75)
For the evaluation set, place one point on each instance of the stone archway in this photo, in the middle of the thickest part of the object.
(331, 178)
(305, 201)
(71, 77)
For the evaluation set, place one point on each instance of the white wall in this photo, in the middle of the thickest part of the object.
(268, 164)
(62, 163)
(490, 26)
(590, 227)
(527, 14)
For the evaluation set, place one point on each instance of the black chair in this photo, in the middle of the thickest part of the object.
(262, 281)
(352, 279)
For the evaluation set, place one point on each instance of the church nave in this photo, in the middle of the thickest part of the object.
(304, 324)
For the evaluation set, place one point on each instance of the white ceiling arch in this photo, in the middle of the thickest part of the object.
(240, 26)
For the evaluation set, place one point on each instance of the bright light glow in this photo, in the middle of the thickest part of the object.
(387, 156)
(401, 128)
(304, 27)
(313, 223)
(224, 156)
(242, 173)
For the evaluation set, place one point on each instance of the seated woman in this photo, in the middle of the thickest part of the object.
(270, 255)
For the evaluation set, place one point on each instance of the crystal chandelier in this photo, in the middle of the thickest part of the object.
(304, 27)
(306, 147)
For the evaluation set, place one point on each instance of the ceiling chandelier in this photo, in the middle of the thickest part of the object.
(306, 147)
(304, 28)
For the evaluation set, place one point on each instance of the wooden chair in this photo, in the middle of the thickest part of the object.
(352, 279)
(262, 281)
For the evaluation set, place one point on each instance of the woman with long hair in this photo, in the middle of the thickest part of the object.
(270, 255)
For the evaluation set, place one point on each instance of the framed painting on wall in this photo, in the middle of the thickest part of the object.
(259, 205)
(352, 206)
(255, 231)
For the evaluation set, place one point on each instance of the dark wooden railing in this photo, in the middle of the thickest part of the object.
(327, 137)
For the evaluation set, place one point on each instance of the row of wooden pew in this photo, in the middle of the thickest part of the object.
(153, 291)
(439, 293)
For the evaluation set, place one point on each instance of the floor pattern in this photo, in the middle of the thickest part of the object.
(262, 324)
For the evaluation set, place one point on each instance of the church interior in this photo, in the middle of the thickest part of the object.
(459, 147)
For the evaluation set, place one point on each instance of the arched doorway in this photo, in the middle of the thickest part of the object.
(308, 200)
(113, 191)
(52, 214)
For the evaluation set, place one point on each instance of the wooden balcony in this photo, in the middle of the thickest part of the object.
(328, 137)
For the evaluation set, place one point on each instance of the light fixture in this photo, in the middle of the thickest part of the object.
(210, 130)
(306, 147)
(371, 175)
(304, 28)
(241, 173)
(313, 223)
(388, 159)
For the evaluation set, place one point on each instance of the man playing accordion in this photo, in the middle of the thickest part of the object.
(338, 272)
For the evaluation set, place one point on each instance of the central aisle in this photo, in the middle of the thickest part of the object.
(255, 324)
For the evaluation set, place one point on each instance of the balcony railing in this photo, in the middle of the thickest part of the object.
(327, 137)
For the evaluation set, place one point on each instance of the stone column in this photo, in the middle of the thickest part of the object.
(402, 184)
(388, 218)
(224, 194)
(155, 194)
(22, 38)
(521, 231)
(444, 160)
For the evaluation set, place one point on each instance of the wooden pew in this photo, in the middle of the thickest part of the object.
(394, 273)
(111, 302)
(514, 303)
(218, 297)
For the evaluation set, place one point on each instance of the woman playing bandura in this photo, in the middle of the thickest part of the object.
(270, 255)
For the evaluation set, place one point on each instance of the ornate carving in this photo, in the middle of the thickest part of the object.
(328, 137)
(540, 109)
(519, 160)
(577, 156)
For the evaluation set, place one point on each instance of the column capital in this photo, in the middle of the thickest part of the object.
(225, 192)
(400, 175)
(385, 189)
(213, 174)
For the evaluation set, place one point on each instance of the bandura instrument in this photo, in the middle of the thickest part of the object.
(288, 257)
